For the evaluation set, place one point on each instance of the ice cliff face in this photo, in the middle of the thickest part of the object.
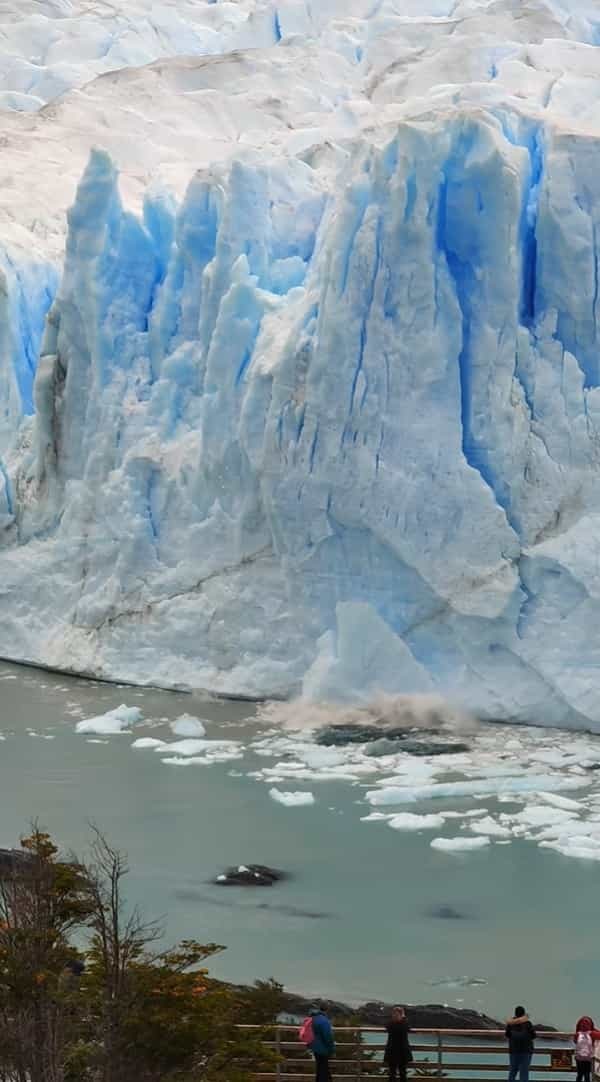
(329, 419)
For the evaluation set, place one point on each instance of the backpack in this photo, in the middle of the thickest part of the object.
(584, 1047)
(520, 1037)
(306, 1032)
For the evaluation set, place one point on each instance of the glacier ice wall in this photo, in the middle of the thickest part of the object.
(331, 421)
(352, 443)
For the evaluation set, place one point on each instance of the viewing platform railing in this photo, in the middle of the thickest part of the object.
(459, 1055)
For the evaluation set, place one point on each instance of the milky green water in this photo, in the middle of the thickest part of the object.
(356, 920)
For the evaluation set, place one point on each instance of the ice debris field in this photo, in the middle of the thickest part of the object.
(509, 784)
(299, 352)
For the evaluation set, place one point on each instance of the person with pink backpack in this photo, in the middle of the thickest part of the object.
(317, 1034)
(584, 1039)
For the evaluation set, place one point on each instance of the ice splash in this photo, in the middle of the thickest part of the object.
(431, 713)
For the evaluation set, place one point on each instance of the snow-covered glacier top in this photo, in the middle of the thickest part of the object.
(299, 378)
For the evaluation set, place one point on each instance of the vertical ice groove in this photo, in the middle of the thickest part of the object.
(359, 202)
(464, 281)
(153, 520)
(528, 228)
(7, 488)
(313, 449)
(368, 306)
(526, 607)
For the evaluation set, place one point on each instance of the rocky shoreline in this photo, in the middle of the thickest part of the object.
(376, 1013)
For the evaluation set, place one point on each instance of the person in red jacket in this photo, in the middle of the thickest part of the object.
(584, 1038)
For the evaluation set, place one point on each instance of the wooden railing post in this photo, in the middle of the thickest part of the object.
(358, 1055)
(439, 1055)
(278, 1053)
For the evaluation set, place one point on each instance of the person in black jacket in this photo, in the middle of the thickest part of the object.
(397, 1050)
(520, 1035)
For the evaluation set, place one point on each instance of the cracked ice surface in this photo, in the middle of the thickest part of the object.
(317, 405)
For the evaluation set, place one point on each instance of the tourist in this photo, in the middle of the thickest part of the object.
(584, 1040)
(521, 1035)
(397, 1050)
(323, 1045)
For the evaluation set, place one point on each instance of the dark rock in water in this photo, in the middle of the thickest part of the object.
(426, 747)
(249, 875)
(340, 735)
(446, 912)
(190, 894)
(384, 741)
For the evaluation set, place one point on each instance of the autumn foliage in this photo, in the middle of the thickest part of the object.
(86, 994)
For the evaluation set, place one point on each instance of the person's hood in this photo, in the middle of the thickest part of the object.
(585, 1024)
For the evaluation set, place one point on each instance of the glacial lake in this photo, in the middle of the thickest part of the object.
(368, 912)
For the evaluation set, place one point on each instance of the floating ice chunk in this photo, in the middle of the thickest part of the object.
(377, 817)
(574, 848)
(184, 747)
(569, 828)
(410, 821)
(412, 770)
(191, 746)
(458, 845)
(291, 800)
(335, 774)
(315, 756)
(560, 801)
(542, 815)
(148, 742)
(187, 725)
(550, 756)
(187, 760)
(490, 827)
(111, 723)
(480, 787)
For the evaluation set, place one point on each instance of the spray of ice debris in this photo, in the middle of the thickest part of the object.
(428, 712)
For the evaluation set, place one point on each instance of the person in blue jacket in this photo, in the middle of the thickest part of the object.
(323, 1045)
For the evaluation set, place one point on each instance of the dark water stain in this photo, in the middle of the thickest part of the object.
(189, 894)
(448, 912)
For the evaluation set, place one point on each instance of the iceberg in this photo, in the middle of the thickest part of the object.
(186, 725)
(113, 722)
(459, 845)
(310, 401)
(293, 799)
(409, 821)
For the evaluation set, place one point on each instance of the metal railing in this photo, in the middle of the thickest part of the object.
(459, 1055)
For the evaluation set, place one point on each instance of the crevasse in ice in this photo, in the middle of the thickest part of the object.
(329, 419)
